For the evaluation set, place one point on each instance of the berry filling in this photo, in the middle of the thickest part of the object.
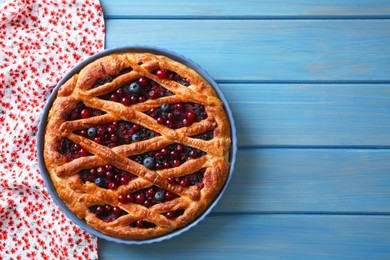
(178, 115)
(117, 133)
(142, 224)
(168, 74)
(71, 150)
(147, 197)
(168, 157)
(107, 176)
(207, 136)
(137, 92)
(82, 111)
(192, 179)
(109, 78)
(107, 212)
(173, 214)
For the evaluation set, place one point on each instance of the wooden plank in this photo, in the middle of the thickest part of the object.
(309, 180)
(269, 237)
(267, 50)
(234, 8)
(310, 114)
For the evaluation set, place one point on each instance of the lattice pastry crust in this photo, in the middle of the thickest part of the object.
(89, 87)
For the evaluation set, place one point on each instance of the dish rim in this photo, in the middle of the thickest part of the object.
(43, 121)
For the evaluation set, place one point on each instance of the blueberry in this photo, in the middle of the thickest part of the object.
(135, 138)
(92, 132)
(149, 162)
(159, 196)
(164, 107)
(134, 88)
(99, 182)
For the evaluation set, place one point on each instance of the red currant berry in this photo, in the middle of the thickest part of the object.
(122, 198)
(140, 198)
(85, 113)
(161, 73)
(170, 215)
(130, 197)
(116, 210)
(126, 101)
(151, 192)
(143, 81)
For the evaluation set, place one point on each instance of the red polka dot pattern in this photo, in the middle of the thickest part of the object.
(40, 40)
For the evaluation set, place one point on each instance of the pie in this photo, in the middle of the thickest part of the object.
(137, 145)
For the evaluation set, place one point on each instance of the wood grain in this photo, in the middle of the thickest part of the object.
(269, 50)
(269, 237)
(310, 114)
(238, 8)
(309, 180)
(309, 86)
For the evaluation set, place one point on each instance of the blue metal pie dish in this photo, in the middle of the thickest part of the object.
(44, 120)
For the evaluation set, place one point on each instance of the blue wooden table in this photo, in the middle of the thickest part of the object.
(309, 85)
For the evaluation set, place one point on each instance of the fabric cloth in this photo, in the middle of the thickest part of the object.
(39, 42)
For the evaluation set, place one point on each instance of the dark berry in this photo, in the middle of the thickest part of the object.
(164, 107)
(99, 182)
(92, 132)
(135, 138)
(159, 196)
(149, 162)
(134, 88)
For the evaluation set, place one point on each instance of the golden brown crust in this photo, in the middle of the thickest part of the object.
(78, 196)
